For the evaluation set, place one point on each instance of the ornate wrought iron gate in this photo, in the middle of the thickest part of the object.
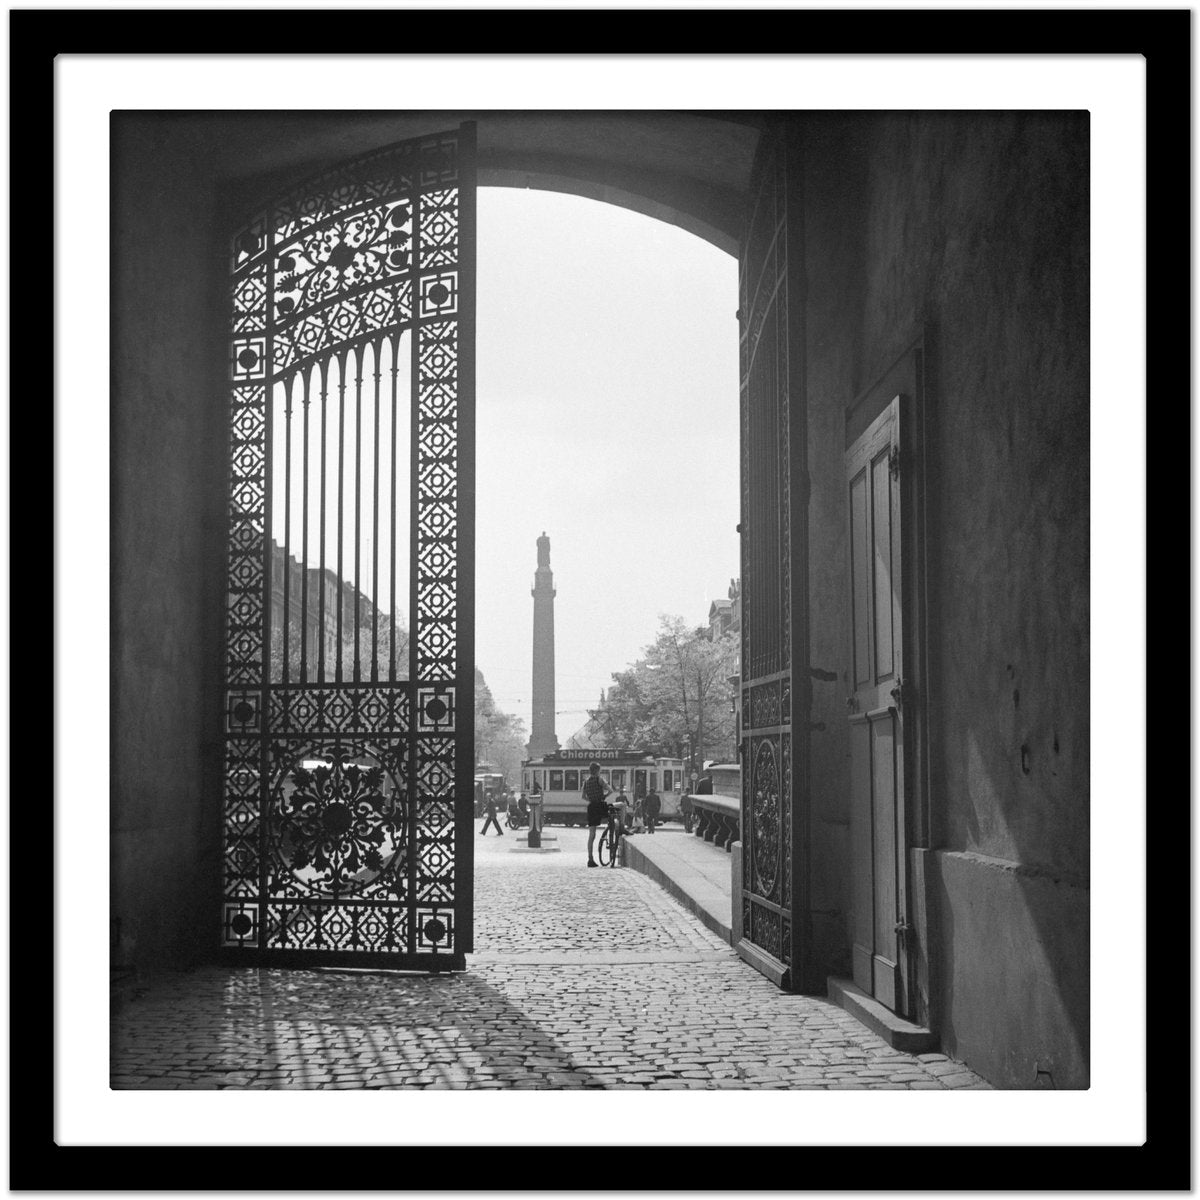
(775, 680)
(348, 805)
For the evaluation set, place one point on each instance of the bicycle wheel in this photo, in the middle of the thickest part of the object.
(604, 851)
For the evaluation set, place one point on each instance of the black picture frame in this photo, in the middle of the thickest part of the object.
(37, 36)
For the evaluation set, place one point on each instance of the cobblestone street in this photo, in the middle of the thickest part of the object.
(582, 979)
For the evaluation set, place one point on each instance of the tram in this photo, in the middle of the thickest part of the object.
(559, 777)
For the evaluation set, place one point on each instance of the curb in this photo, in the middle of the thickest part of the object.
(632, 857)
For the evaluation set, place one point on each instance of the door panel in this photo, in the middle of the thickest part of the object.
(862, 854)
(348, 798)
(883, 782)
(860, 578)
(881, 527)
(878, 823)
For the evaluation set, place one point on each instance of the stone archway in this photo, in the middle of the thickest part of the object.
(183, 181)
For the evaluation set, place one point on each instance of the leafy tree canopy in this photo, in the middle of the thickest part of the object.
(499, 736)
(678, 690)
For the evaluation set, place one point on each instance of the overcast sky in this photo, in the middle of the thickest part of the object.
(607, 416)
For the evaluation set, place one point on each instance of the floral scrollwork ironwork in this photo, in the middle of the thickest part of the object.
(765, 817)
(321, 264)
(338, 822)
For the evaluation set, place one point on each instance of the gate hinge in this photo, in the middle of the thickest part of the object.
(894, 462)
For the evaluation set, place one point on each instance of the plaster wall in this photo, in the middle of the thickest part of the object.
(167, 578)
(967, 239)
(1005, 932)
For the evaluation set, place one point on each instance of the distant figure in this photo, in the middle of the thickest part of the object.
(688, 809)
(639, 815)
(491, 815)
(704, 784)
(523, 806)
(651, 807)
(595, 792)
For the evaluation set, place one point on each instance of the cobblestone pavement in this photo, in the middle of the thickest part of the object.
(582, 980)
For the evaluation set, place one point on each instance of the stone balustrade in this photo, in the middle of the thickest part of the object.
(717, 819)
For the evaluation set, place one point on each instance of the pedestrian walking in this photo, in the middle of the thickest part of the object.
(651, 807)
(595, 792)
(688, 809)
(491, 815)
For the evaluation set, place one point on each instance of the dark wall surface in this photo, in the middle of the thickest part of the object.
(168, 413)
(948, 258)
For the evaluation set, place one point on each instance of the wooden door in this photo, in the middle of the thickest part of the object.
(877, 817)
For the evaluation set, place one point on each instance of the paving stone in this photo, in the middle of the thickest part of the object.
(959, 1078)
(944, 1067)
(546, 1004)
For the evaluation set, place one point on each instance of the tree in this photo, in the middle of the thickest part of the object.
(499, 736)
(677, 694)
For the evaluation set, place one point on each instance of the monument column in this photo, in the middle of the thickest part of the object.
(542, 739)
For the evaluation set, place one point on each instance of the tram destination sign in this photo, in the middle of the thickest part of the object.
(594, 755)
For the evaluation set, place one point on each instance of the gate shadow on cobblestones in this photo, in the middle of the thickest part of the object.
(320, 1029)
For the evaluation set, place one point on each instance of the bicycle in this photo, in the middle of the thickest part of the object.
(609, 848)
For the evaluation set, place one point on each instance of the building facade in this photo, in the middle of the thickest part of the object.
(323, 614)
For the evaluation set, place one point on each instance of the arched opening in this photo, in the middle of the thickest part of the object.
(354, 422)
(607, 419)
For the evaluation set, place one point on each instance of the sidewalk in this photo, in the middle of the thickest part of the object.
(697, 873)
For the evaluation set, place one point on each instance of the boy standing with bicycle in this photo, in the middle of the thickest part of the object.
(595, 792)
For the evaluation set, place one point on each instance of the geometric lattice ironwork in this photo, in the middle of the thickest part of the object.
(344, 805)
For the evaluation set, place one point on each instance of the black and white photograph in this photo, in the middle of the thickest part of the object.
(479, 432)
(602, 597)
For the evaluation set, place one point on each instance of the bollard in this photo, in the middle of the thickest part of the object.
(535, 824)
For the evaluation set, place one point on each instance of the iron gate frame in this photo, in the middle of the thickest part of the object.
(415, 729)
(775, 684)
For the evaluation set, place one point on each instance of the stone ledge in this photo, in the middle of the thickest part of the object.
(593, 958)
(701, 898)
(764, 963)
(896, 1031)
